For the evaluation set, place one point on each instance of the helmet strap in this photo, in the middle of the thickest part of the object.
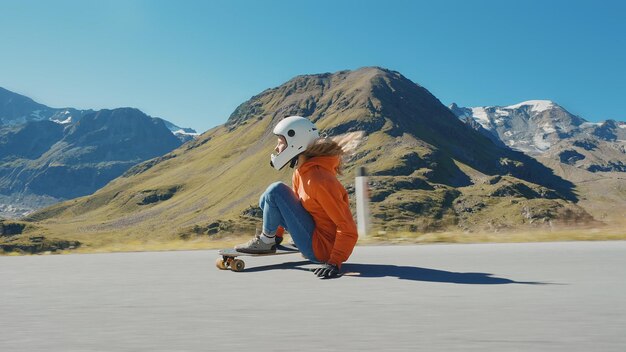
(293, 162)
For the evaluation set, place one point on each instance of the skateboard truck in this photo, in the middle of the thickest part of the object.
(226, 262)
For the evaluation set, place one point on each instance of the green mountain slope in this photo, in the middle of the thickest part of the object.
(429, 170)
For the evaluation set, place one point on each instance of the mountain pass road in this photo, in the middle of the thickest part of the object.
(568, 296)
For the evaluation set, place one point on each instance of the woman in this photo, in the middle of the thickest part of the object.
(316, 212)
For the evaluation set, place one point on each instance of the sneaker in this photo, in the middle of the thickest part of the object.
(256, 246)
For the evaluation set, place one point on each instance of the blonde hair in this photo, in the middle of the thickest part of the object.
(325, 147)
(346, 143)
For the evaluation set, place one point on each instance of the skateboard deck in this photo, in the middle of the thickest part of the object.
(229, 255)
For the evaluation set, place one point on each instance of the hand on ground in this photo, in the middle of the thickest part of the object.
(327, 271)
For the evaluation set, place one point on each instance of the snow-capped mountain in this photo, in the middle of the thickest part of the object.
(542, 127)
(531, 126)
(16, 109)
(49, 154)
(184, 134)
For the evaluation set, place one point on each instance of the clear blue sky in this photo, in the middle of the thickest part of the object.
(194, 62)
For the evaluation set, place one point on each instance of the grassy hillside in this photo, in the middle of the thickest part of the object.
(429, 171)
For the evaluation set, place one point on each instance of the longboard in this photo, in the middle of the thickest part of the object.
(229, 255)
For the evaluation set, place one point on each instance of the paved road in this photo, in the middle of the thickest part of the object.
(497, 297)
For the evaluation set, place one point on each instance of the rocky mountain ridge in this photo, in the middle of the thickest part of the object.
(16, 109)
(34, 137)
(544, 128)
(48, 154)
(49, 159)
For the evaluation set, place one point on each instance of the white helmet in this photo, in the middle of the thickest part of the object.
(299, 133)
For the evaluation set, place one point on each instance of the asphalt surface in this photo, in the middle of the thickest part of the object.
(494, 297)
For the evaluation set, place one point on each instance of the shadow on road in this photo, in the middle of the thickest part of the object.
(282, 266)
(404, 273)
(429, 275)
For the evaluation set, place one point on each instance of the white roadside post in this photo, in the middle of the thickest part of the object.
(362, 202)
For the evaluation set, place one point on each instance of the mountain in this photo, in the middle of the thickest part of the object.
(42, 162)
(17, 109)
(182, 133)
(542, 127)
(429, 170)
(45, 158)
(48, 154)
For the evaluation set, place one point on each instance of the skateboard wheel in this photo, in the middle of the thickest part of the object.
(237, 265)
(220, 264)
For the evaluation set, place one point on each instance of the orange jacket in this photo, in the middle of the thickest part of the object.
(322, 195)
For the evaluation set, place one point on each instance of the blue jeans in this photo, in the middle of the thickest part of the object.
(281, 207)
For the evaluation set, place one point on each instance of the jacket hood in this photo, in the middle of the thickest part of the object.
(329, 163)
